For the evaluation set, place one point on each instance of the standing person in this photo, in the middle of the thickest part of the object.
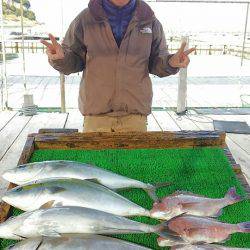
(117, 44)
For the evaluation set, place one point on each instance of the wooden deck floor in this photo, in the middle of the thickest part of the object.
(202, 91)
(15, 128)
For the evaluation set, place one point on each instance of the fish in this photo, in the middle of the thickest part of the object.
(190, 229)
(96, 242)
(189, 203)
(32, 172)
(206, 247)
(69, 220)
(71, 192)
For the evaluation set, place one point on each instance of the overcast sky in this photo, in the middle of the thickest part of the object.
(174, 16)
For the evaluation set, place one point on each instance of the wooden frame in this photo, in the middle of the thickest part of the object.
(71, 139)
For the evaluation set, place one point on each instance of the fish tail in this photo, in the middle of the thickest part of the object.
(232, 195)
(151, 189)
(244, 227)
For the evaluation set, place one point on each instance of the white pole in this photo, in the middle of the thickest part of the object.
(182, 85)
(245, 35)
(4, 85)
(62, 76)
(23, 53)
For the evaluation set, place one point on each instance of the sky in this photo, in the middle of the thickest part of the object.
(184, 17)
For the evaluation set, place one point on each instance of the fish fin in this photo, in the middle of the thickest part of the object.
(20, 236)
(47, 205)
(151, 190)
(51, 233)
(187, 193)
(244, 227)
(227, 239)
(164, 232)
(55, 190)
(219, 213)
(167, 240)
(95, 180)
(58, 204)
(180, 215)
(162, 184)
(152, 194)
(232, 195)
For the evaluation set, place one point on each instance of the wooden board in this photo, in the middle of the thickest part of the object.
(152, 124)
(129, 140)
(165, 121)
(5, 118)
(10, 132)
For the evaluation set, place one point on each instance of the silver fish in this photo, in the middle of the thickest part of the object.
(189, 229)
(95, 242)
(205, 247)
(71, 192)
(26, 173)
(65, 221)
(189, 203)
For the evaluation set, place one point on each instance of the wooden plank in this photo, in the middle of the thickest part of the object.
(202, 122)
(165, 121)
(152, 125)
(242, 140)
(184, 122)
(237, 167)
(129, 140)
(241, 157)
(57, 130)
(49, 120)
(5, 117)
(10, 132)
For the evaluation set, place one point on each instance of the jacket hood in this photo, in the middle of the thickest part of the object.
(143, 12)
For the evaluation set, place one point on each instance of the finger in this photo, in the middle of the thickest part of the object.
(53, 40)
(52, 56)
(189, 51)
(183, 64)
(51, 50)
(47, 44)
(182, 48)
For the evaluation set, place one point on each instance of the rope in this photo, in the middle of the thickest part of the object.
(29, 110)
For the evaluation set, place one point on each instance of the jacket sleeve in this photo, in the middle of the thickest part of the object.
(159, 57)
(74, 49)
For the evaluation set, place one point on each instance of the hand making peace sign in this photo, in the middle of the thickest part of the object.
(181, 59)
(54, 49)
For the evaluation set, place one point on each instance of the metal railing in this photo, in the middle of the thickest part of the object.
(33, 47)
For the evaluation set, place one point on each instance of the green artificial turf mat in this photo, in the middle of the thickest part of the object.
(203, 171)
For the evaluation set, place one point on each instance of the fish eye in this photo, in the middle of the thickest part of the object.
(19, 189)
(21, 167)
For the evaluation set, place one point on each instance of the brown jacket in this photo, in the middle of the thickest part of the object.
(115, 80)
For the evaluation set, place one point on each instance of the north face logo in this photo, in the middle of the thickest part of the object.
(146, 30)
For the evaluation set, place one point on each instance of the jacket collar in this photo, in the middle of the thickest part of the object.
(143, 12)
